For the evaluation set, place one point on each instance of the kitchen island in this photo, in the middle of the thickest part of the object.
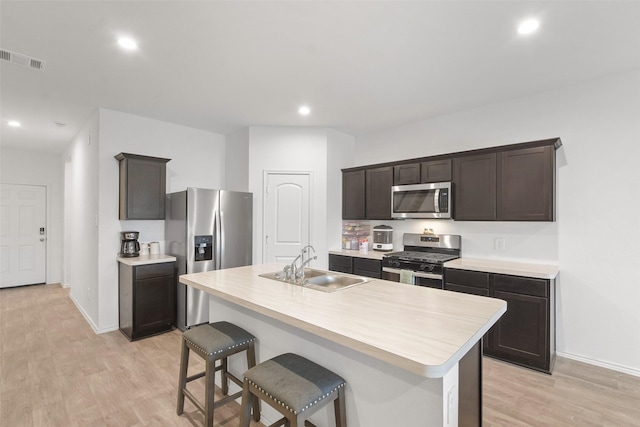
(406, 352)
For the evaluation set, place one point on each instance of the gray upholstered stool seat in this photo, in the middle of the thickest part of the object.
(294, 386)
(213, 342)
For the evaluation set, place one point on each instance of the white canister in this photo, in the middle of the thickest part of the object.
(154, 248)
(364, 246)
(144, 249)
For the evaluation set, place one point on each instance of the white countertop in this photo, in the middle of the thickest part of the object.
(539, 271)
(146, 259)
(371, 254)
(425, 331)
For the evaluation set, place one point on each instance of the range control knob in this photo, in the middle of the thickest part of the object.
(427, 267)
(395, 263)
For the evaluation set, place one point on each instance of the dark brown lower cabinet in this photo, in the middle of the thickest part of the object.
(355, 265)
(525, 334)
(147, 299)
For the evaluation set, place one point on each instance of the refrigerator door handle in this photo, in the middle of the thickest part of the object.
(219, 239)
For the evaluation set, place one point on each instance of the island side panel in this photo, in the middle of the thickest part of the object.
(377, 393)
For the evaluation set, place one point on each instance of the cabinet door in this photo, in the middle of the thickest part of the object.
(436, 171)
(378, 192)
(522, 333)
(474, 189)
(406, 174)
(526, 184)
(353, 206)
(473, 287)
(154, 303)
(142, 186)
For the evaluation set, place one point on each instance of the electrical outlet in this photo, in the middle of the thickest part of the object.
(499, 244)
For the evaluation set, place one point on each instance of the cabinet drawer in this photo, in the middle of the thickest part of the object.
(371, 265)
(476, 279)
(467, 289)
(521, 285)
(154, 270)
(340, 263)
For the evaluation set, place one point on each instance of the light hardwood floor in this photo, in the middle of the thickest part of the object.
(55, 371)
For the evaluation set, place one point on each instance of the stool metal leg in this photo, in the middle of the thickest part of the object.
(182, 380)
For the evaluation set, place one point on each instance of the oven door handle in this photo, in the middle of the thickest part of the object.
(415, 273)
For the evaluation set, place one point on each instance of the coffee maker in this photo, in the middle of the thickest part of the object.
(129, 246)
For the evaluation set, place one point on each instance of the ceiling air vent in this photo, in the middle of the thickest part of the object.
(20, 59)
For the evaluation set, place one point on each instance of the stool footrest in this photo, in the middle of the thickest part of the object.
(196, 376)
(193, 400)
(283, 422)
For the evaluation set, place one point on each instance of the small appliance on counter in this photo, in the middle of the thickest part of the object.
(382, 238)
(129, 246)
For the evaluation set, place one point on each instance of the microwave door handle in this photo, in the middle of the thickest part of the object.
(436, 201)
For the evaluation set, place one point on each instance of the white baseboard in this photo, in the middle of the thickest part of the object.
(612, 366)
(89, 320)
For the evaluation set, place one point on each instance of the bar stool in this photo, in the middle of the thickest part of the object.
(213, 342)
(294, 386)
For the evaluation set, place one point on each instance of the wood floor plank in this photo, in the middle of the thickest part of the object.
(55, 371)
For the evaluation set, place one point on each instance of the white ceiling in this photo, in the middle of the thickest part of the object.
(361, 66)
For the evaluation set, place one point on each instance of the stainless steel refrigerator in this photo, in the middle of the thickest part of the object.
(206, 230)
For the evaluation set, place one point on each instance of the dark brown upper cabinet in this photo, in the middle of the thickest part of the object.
(513, 182)
(378, 192)
(475, 192)
(435, 171)
(142, 186)
(353, 192)
(507, 185)
(406, 174)
(526, 184)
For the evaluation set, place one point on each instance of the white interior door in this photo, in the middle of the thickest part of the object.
(23, 238)
(287, 215)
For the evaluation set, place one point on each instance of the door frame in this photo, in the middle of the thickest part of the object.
(265, 179)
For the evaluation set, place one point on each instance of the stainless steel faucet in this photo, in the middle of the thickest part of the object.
(303, 263)
(295, 273)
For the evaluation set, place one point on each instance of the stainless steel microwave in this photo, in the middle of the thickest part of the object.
(421, 200)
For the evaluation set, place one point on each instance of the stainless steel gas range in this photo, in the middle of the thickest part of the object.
(421, 261)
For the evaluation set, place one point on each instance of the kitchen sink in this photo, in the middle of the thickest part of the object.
(326, 281)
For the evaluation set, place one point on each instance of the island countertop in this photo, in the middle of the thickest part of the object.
(425, 331)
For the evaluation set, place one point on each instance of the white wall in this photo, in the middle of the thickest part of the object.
(237, 161)
(596, 245)
(91, 198)
(45, 169)
(197, 160)
(81, 220)
(290, 149)
(340, 154)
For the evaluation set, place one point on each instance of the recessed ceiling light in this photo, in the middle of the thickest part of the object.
(127, 43)
(304, 110)
(528, 26)
(14, 124)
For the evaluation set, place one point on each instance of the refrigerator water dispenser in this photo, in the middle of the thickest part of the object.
(203, 248)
